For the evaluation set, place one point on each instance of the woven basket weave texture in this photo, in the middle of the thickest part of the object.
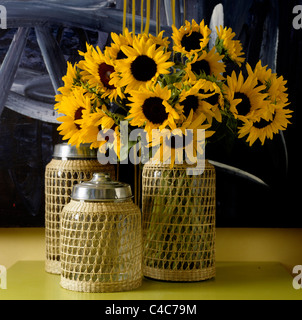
(101, 246)
(60, 177)
(178, 223)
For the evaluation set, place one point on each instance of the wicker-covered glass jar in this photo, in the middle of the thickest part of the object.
(101, 238)
(69, 166)
(178, 223)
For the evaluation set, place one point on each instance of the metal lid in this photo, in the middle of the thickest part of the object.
(65, 151)
(101, 188)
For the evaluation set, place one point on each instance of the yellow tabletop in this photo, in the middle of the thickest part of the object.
(27, 280)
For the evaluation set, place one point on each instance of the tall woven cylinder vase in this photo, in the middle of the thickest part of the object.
(60, 177)
(179, 223)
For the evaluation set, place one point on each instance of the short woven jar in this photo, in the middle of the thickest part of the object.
(101, 238)
(69, 166)
(178, 223)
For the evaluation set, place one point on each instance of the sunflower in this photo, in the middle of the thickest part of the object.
(76, 108)
(191, 38)
(262, 74)
(265, 128)
(106, 122)
(114, 52)
(151, 109)
(277, 90)
(245, 97)
(186, 141)
(91, 127)
(275, 86)
(232, 49)
(143, 65)
(191, 98)
(96, 71)
(215, 98)
(207, 64)
(159, 40)
(71, 79)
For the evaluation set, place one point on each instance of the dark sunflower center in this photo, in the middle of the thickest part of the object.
(192, 41)
(263, 123)
(213, 100)
(143, 68)
(121, 55)
(105, 71)
(154, 110)
(77, 116)
(201, 66)
(191, 102)
(244, 107)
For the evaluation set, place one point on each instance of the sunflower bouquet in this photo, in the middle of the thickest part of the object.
(157, 84)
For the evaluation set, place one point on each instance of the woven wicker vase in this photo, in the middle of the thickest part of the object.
(101, 246)
(179, 232)
(60, 177)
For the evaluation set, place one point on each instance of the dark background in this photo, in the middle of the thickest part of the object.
(26, 144)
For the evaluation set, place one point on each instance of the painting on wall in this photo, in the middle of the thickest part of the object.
(254, 189)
